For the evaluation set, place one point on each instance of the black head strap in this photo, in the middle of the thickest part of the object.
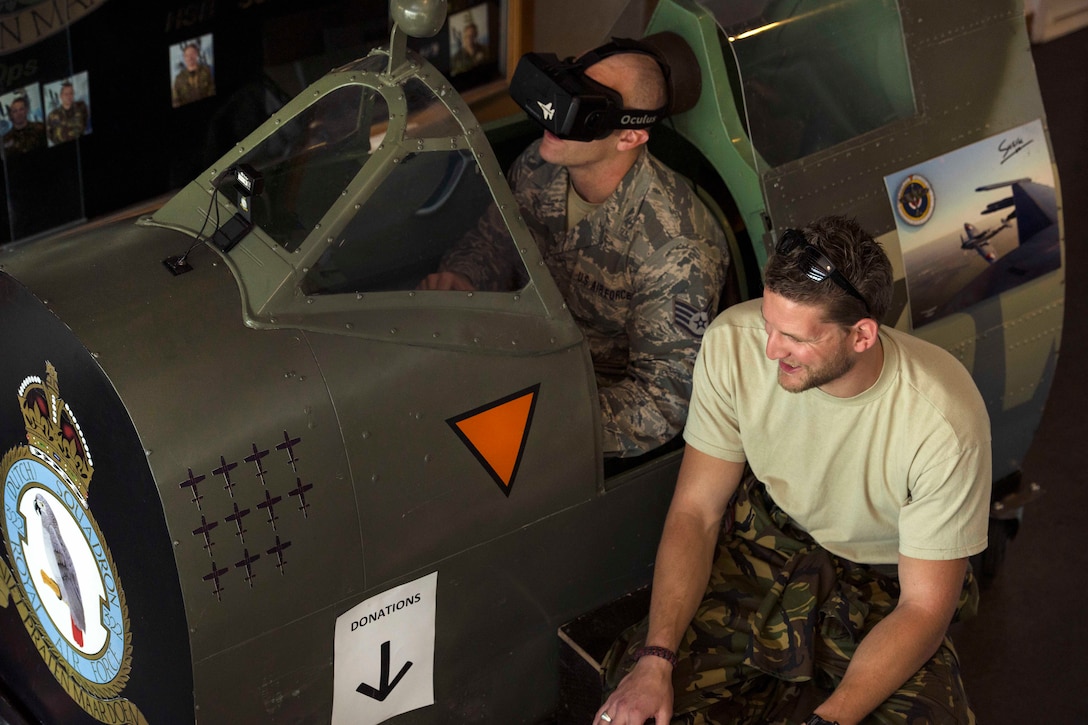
(683, 75)
(626, 117)
(617, 47)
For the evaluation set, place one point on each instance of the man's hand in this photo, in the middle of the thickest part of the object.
(447, 281)
(645, 694)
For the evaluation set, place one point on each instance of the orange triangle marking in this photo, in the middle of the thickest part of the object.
(496, 434)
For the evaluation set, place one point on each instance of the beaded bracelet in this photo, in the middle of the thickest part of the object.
(664, 653)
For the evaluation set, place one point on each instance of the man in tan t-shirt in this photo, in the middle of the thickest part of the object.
(860, 460)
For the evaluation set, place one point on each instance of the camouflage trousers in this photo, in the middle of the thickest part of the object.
(777, 627)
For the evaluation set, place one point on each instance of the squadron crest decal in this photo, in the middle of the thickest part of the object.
(62, 579)
(915, 200)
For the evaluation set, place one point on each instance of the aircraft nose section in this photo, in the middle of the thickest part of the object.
(92, 627)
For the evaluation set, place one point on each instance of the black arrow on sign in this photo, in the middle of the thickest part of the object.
(385, 686)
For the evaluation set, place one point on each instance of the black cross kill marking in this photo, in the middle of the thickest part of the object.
(289, 444)
(247, 562)
(224, 471)
(237, 517)
(270, 504)
(278, 551)
(191, 483)
(205, 528)
(215, 574)
(300, 491)
(256, 458)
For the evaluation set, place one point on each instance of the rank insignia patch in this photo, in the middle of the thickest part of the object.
(690, 318)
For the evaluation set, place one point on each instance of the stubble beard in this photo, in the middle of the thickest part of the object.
(834, 369)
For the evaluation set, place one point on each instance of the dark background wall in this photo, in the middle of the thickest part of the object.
(140, 145)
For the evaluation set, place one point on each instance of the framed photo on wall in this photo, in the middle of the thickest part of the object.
(68, 108)
(22, 126)
(480, 42)
(192, 70)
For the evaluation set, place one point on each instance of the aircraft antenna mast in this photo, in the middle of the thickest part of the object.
(415, 18)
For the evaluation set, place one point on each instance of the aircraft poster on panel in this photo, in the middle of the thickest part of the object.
(976, 222)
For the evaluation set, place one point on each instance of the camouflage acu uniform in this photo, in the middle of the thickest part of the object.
(641, 274)
(67, 124)
(193, 86)
(20, 140)
(778, 625)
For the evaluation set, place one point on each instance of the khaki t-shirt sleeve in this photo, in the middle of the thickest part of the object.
(712, 425)
(948, 512)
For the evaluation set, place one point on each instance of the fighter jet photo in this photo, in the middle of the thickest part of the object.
(979, 241)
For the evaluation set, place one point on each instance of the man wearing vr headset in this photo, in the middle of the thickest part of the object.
(639, 259)
(861, 463)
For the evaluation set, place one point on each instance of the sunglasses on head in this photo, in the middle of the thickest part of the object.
(819, 267)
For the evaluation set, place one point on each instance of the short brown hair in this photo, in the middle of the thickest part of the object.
(854, 253)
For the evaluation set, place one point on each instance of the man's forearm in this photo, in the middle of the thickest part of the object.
(486, 255)
(888, 656)
(638, 416)
(681, 572)
(685, 555)
(680, 576)
(898, 646)
(684, 558)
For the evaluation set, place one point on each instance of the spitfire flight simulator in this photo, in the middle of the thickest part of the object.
(251, 473)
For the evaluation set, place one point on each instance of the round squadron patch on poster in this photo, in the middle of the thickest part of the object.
(915, 200)
(62, 577)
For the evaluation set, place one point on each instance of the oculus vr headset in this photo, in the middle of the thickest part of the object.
(559, 95)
